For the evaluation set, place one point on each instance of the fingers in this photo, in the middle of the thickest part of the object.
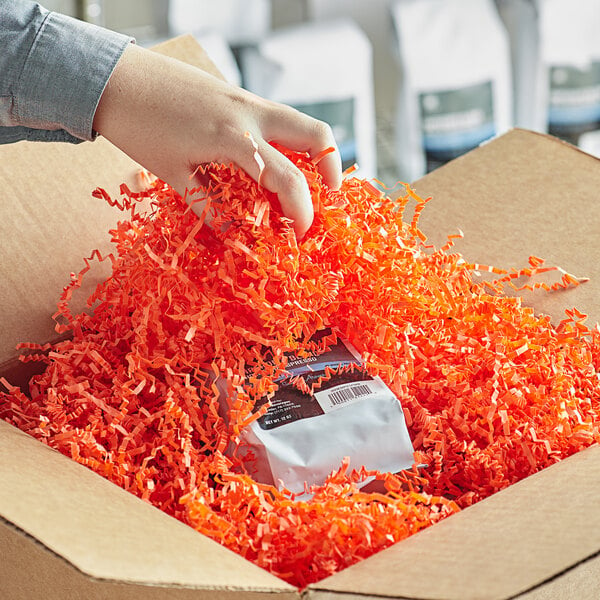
(297, 131)
(330, 167)
(280, 176)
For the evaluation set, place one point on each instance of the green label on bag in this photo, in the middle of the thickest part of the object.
(574, 102)
(455, 121)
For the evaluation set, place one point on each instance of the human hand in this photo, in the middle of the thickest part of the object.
(170, 117)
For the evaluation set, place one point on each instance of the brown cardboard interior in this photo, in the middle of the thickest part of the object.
(48, 223)
(51, 508)
(187, 49)
(523, 194)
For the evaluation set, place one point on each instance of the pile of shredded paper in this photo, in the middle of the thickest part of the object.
(491, 391)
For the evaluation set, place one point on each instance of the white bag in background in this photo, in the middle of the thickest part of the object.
(373, 17)
(570, 51)
(240, 22)
(455, 90)
(303, 438)
(520, 17)
(325, 70)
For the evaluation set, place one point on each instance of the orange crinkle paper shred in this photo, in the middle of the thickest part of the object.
(491, 391)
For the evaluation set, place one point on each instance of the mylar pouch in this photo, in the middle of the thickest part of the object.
(303, 437)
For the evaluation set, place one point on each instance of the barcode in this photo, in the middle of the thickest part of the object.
(342, 396)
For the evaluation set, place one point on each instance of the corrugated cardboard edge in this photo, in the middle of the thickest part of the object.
(550, 520)
(86, 528)
(30, 571)
(554, 140)
(581, 582)
(513, 131)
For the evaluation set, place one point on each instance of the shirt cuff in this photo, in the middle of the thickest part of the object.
(65, 73)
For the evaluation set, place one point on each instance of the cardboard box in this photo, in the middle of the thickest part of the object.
(66, 533)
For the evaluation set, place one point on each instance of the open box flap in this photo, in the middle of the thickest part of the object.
(509, 543)
(187, 49)
(106, 532)
(523, 194)
(48, 222)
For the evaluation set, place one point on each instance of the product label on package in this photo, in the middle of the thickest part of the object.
(340, 390)
(345, 394)
(455, 121)
(574, 106)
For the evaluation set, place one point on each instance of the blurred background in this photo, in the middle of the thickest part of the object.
(405, 84)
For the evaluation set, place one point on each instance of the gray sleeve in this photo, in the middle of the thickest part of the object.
(53, 70)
